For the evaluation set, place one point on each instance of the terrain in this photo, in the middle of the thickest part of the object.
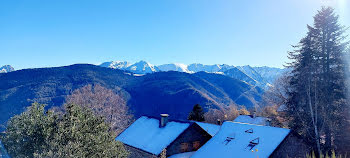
(6, 68)
(263, 77)
(150, 94)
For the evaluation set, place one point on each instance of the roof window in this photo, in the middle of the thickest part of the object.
(249, 131)
(253, 143)
(230, 138)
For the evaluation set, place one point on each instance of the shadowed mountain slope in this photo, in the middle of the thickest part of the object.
(162, 92)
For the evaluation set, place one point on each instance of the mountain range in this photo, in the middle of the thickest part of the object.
(257, 76)
(148, 89)
(169, 92)
(6, 68)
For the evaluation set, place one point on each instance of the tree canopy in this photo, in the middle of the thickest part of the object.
(75, 133)
(317, 104)
(196, 114)
(103, 102)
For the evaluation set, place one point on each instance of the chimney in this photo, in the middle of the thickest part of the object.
(218, 122)
(163, 120)
(268, 122)
(254, 113)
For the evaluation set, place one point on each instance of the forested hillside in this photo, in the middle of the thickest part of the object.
(168, 92)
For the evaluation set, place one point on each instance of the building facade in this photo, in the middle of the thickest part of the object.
(150, 137)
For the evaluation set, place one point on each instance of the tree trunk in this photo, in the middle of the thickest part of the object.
(313, 119)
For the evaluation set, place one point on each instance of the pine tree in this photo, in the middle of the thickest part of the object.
(301, 108)
(317, 101)
(196, 114)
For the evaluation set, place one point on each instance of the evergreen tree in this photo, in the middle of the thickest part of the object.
(26, 133)
(317, 101)
(76, 133)
(82, 134)
(196, 114)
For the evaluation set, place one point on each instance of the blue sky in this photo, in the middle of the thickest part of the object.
(54, 33)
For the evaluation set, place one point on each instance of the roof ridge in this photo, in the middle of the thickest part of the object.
(169, 120)
(256, 125)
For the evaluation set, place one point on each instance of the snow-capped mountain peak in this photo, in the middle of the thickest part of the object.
(116, 64)
(142, 67)
(258, 76)
(206, 68)
(174, 67)
(6, 68)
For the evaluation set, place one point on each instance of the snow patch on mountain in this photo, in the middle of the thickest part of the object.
(258, 76)
(142, 67)
(239, 75)
(116, 64)
(270, 74)
(250, 71)
(206, 68)
(174, 67)
(6, 69)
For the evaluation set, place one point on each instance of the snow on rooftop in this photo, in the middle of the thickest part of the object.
(233, 141)
(146, 134)
(212, 129)
(183, 155)
(249, 119)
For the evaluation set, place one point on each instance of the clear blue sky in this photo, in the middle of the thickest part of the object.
(46, 33)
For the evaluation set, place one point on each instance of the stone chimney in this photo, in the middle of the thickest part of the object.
(163, 120)
(254, 113)
(268, 122)
(218, 121)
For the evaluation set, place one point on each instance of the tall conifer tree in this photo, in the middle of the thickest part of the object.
(317, 101)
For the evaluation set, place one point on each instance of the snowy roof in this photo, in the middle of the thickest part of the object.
(145, 134)
(183, 155)
(239, 139)
(250, 119)
(211, 129)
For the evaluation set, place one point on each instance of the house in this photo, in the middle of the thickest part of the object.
(252, 119)
(240, 140)
(153, 137)
(211, 129)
